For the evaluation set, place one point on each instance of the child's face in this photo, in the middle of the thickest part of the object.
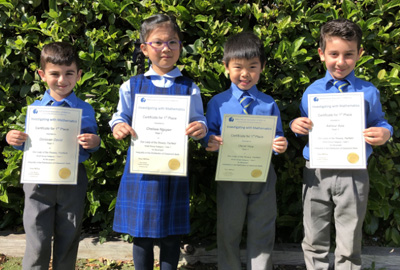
(244, 73)
(340, 56)
(163, 61)
(61, 79)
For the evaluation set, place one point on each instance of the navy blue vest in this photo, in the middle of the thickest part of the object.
(143, 85)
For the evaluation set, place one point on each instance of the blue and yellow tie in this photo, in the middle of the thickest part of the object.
(245, 101)
(57, 103)
(341, 85)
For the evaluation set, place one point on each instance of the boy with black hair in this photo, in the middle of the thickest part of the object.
(56, 211)
(342, 193)
(244, 59)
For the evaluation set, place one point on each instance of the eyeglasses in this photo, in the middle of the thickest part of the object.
(159, 45)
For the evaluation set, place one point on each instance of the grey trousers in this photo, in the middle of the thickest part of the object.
(257, 201)
(53, 211)
(342, 194)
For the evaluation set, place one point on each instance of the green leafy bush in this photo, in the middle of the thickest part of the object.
(104, 32)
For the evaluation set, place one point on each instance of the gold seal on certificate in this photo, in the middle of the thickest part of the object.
(51, 153)
(256, 173)
(160, 122)
(246, 152)
(353, 158)
(336, 140)
(64, 173)
(174, 164)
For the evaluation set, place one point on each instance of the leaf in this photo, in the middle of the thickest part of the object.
(284, 23)
(391, 4)
(363, 60)
(25, 89)
(112, 204)
(86, 76)
(53, 5)
(110, 5)
(372, 21)
(53, 13)
(287, 80)
(297, 43)
(3, 194)
(6, 4)
(201, 18)
(381, 74)
(372, 225)
(281, 49)
(395, 236)
(320, 18)
(35, 88)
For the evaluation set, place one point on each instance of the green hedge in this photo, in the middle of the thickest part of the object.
(104, 32)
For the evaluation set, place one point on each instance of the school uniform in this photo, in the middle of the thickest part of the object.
(154, 206)
(338, 192)
(56, 211)
(237, 201)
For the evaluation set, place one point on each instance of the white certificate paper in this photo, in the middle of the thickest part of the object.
(336, 139)
(160, 123)
(245, 154)
(51, 153)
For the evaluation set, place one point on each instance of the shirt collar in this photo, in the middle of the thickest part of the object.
(172, 74)
(71, 100)
(351, 78)
(237, 92)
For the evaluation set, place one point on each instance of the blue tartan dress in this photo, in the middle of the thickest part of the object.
(153, 206)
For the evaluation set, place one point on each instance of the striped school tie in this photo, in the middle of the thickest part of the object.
(341, 85)
(57, 103)
(245, 101)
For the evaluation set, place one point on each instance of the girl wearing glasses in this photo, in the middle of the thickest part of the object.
(155, 207)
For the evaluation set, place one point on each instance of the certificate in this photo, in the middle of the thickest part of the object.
(160, 123)
(245, 154)
(336, 139)
(51, 152)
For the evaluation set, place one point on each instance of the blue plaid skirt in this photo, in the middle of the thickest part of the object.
(152, 206)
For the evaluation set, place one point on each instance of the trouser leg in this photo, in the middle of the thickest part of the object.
(38, 219)
(261, 216)
(351, 206)
(317, 214)
(69, 215)
(231, 213)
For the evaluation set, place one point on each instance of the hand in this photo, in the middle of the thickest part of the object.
(280, 145)
(121, 130)
(376, 135)
(214, 143)
(16, 137)
(196, 130)
(88, 140)
(301, 125)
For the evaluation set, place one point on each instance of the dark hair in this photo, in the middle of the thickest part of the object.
(58, 53)
(244, 45)
(342, 28)
(146, 28)
(154, 21)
